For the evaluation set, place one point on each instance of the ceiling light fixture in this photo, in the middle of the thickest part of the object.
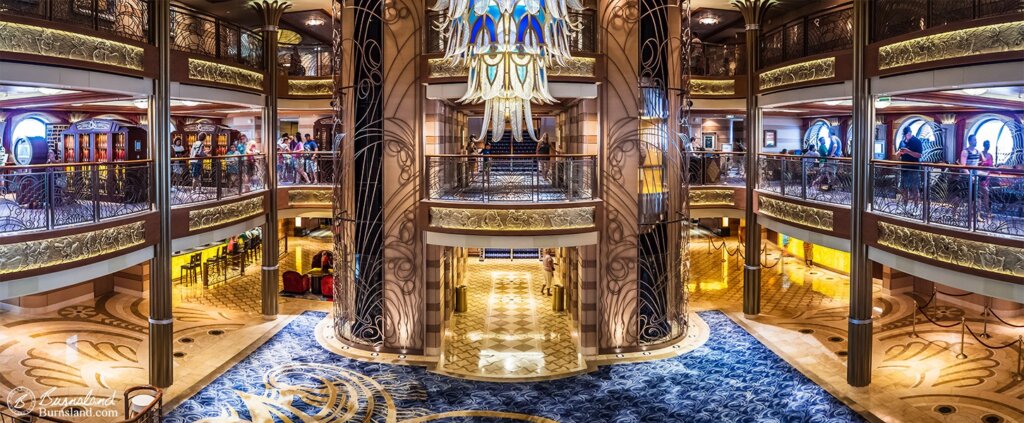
(883, 102)
(49, 91)
(76, 104)
(708, 20)
(189, 103)
(315, 21)
(975, 91)
(832, 102)
(141, 103)
(508, 47)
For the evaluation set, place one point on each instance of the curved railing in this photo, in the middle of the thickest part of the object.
(718, 168)
(52, 196)
(820, 32)
(972, 198)
(892, 18)
(206, 35)
(124, 18)
(822, 179)
(196, 180)
(511, 178)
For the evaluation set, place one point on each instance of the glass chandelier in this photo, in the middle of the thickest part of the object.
(508, 47)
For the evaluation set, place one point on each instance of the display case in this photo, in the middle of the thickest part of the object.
(104, 142)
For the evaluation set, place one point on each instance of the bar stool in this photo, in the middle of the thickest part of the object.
(219, 261)
(191, 269)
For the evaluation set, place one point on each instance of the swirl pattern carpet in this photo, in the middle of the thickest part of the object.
(731, 378)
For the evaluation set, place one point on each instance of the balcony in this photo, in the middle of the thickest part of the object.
(511, 178)
(216, 178)
(207, 36)
(124, 18)
(892, 18)
(823, 179)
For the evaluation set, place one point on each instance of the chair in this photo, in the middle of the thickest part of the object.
(219, 261)
(191, 269)
(294, 283)
(327, 287)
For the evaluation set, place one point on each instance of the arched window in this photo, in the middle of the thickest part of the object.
(818, 130)
(29, 127)
(997, 132)
(918, 127)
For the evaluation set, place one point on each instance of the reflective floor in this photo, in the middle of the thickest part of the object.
(509, 329)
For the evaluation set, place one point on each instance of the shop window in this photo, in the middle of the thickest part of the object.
(998, 133)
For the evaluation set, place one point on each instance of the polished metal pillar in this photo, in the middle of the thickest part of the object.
(753, 14)
(270, 11)
(161, 321)
(858, 366)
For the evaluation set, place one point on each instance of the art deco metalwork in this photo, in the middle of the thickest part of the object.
(712, 86)
(37, 254)
(225, 213)
(997, 38)
(582, 67)
(310, 86)
(712, 197)
(797, 73)
(974, 255)
(29, 39)
(796, 213)
(222, 74)
(512, 219)
(313, 197)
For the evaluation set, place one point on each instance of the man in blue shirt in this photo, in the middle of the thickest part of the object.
(312, 162)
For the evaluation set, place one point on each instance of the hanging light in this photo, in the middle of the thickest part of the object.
(508, 47)
(708, 20)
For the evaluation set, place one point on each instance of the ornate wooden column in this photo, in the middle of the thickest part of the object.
(161, 320)
(753, 14)
(270, 11)
(858, 365)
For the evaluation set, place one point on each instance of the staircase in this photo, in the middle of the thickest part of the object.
(507, 146)
(510, 254)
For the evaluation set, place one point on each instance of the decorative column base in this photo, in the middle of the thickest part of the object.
(751, 290)
(161, 359)
(858, 364)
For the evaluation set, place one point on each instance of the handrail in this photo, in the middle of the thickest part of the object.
(991, 169)
(511, 178)
(511, 156)
(82, 164)
(231, 156)
(800, 156)
(775, 43)
(198, 32)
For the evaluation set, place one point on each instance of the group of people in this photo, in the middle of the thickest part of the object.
(201, 151)
(297, 159)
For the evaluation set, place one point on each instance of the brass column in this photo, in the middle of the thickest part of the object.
(753, 14)
(270, 11)
(161, 321)
(858, 365)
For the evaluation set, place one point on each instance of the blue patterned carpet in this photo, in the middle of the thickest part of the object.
(732, 378)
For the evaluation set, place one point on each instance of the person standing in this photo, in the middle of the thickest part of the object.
(312, 162)
(910, 174)
(986, 160)
(970, 156)
(544, 151)
(549, 271)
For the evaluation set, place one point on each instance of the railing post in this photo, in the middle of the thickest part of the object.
(95, 14)
(95, 176)
(925, 196)
(782, 178)
(217, 177)
(572, 177)
(963, 333)
(913, 323)
(972, 201)
(1020, 347)
(803, 180)
(536, 181)
(50, 184)
(984, 328)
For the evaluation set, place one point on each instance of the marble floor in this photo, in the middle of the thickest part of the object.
(804, 318)
(100, 347)
(509, 329)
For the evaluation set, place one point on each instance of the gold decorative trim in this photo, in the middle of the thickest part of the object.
(798, 72)
(796, 213)
(223, 74)
(29, 39)
(311, 197)
(961, 252)
(310, 87)
(574, 67)
(712, 86)
(218, 215)
(997, 38)
(36, 254)
(512, 219)
(712, 197)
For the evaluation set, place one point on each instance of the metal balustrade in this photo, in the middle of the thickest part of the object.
(196, 180)
(718, 168)
(306, 60)
(820, 32)
(718, 60)
(972, 198)
(305, 168)
(202, 34)
(822, 179)
(123, 18)
(40, 197)
(897, 17)
(511, 178)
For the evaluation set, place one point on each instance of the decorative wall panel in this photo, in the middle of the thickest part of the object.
(202, 70)
(798, 73)
(712, 197)
(512, 219)
(29, 39)
(998, 38)
(574, 66)
(310, 197)
(310, 87)
(225, 213)
(796, 213)
(36, 254)
(712, 86)
(961, 252)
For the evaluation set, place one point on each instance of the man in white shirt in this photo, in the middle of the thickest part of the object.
(549, 271)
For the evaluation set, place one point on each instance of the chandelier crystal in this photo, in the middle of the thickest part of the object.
(508, 47)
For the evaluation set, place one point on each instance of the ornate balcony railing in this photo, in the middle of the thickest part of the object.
(977, 199)
(512, 178)
(822, 32)
(195, 32)
(305, 60)
(718, 168)
(124, 18)
(43, 197)
(822, 179)
(897, 17)
(305, 168)
(719, 60)
(584, 41)
(215, 178)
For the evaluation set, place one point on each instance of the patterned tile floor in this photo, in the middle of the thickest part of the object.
(509, 329)
(804, 318)
(101, 345)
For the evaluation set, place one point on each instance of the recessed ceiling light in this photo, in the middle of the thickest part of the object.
(315, 21)
(188, 103)
(883, 102)
(76, 104)
(975, 91)
(49, 91)
(708, 20)
(141, 103)
(833, 102)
